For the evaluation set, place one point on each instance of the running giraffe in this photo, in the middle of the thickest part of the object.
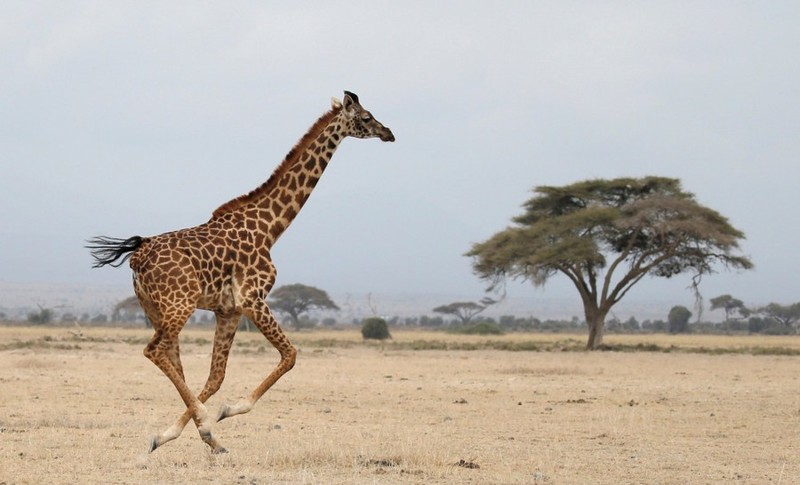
(224, 266)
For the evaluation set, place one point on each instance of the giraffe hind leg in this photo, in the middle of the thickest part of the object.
(223, 339)
(266, 323)
(173, 354)
(159, 351)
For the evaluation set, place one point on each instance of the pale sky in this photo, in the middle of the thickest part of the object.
(123, 118)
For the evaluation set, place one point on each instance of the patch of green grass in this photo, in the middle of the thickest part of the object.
(326, 343)
(413, 341)
(745, 350)
(640, 347)
(526, 346)
(40, 343)
(650, 347)
(63, 346)
(480, 328)
(132, 340)
(421, 345)
(18, 344)
(195, 341)
(773, 351)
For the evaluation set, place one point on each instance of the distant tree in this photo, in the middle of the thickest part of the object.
(756, 324)
(654, 326)
(465, 310)
(205, 317)
(294, 300)
(678, 319)
(605, 236)
(129, 310)
(613, 324)
(246, 325)
(786, 315)
(631, 325)
(100, 318)
(375, 328)
(41, 317)
(426, 321)
(731, 306)
(511, 322)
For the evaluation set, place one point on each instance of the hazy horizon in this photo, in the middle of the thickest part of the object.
(126, 118)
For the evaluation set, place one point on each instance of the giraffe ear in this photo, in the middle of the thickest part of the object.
(335, 103)
(353, 96)
(350, 101)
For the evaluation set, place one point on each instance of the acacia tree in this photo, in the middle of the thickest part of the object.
(129, 309)
(465, 310)
(786, 315)
(43, 316)
(294, 300)
(731, 306)
(605, 236)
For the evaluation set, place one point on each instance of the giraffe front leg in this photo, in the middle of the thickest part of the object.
(262, 317)
(223, 340)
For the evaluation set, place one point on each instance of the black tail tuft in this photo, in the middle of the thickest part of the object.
(107, 250)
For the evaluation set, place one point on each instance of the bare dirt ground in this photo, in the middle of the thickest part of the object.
(81, 409)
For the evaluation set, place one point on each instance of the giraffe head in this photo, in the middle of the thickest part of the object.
(359, 122)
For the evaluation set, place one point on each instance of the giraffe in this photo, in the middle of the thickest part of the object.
(225, 266)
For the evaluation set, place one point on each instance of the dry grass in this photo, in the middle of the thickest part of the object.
(81, 410)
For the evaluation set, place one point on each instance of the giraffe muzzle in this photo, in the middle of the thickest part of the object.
(387, 135)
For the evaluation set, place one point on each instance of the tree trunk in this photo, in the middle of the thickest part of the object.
(595, 314)
(596, 320)
(595, 334)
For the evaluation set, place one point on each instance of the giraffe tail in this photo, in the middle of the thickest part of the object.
(107, 250)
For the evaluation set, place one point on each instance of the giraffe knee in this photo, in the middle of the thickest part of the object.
(290, 357)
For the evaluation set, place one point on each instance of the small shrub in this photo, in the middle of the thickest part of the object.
(42, 317)
(678, 319)
(375, 328)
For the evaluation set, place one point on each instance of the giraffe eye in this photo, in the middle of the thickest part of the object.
(366, 117)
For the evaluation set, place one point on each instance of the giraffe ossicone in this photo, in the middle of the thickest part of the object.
(225, 266)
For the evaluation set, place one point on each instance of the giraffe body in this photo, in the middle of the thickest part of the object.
(225, 266)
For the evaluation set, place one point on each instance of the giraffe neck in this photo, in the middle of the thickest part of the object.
(271, 207)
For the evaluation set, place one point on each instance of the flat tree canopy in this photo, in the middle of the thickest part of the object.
(605, 236)
(730, 305)
(294, 300)
(465, 310)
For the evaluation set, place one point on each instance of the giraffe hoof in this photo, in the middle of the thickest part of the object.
(216, 448)
(223, 412)
(154, 444)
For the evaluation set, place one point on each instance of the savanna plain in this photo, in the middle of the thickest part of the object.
(79, 406)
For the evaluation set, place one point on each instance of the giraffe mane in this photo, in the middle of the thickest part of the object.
(291, 157)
